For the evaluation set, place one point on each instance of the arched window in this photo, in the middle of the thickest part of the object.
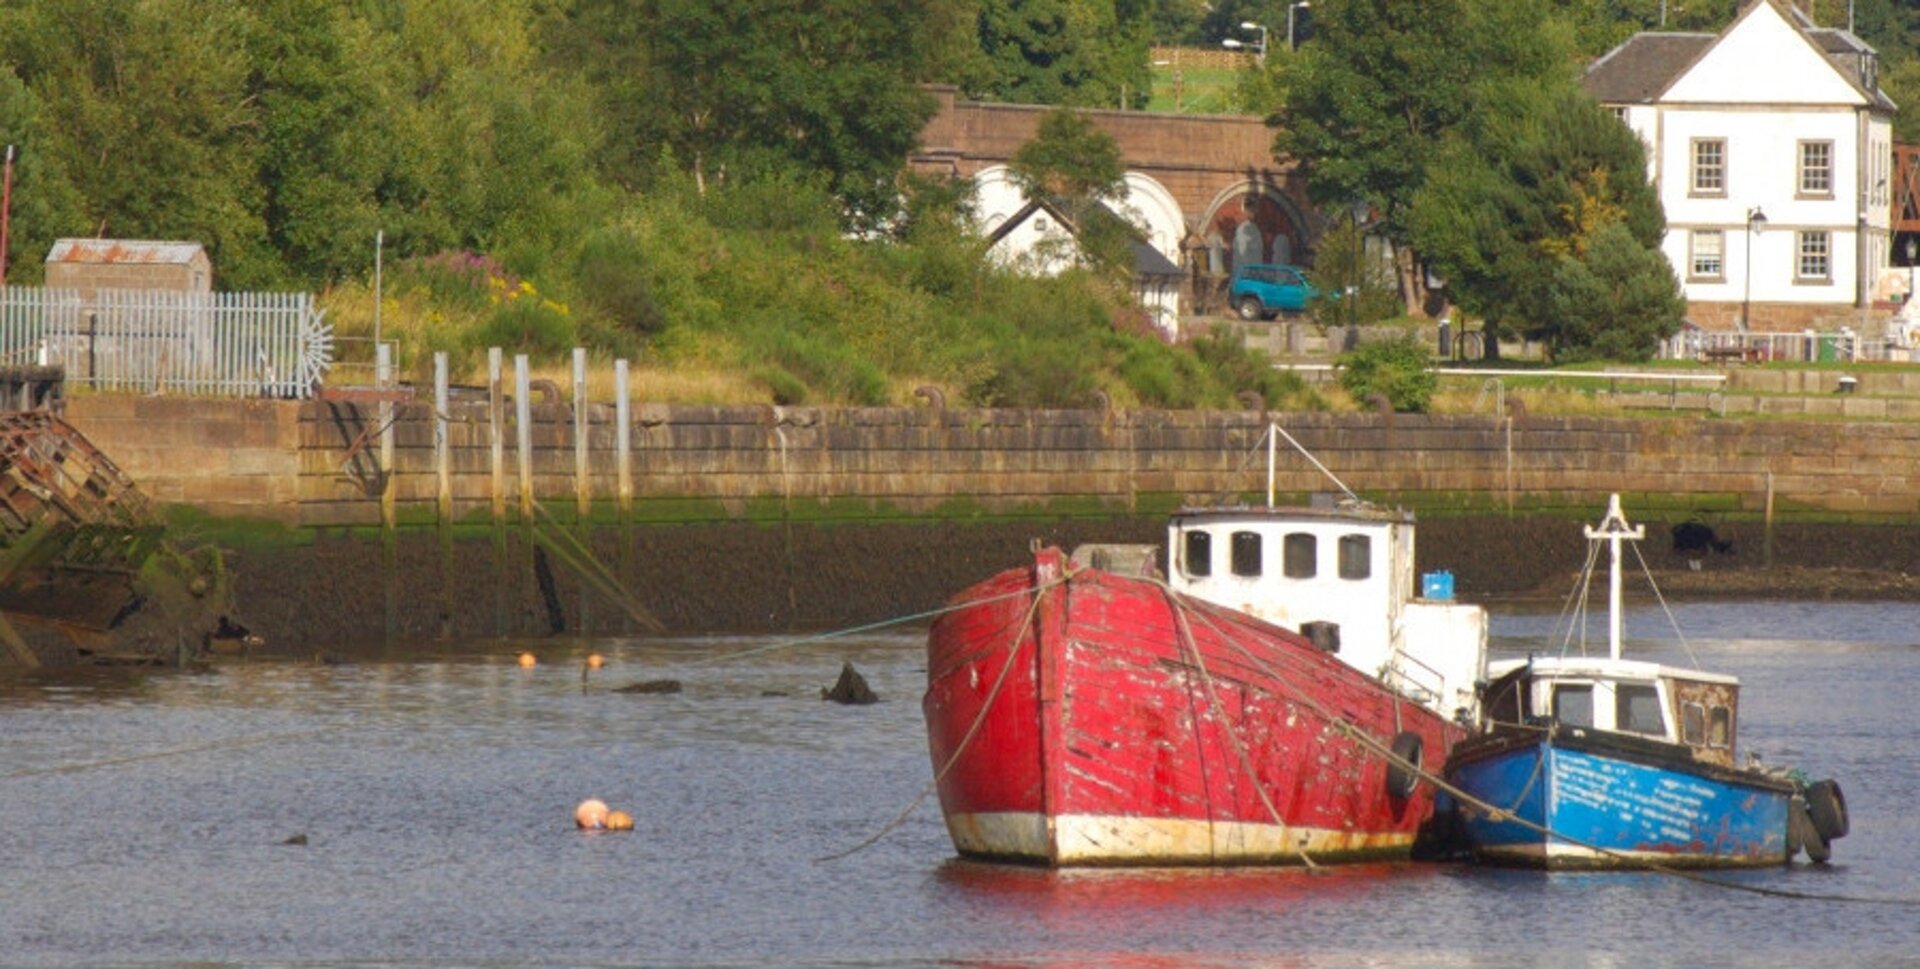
(1248, 247)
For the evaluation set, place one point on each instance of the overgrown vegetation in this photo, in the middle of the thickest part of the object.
(1396, 370)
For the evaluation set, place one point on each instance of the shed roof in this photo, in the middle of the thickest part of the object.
(124, 251)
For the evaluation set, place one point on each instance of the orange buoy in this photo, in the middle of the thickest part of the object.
(595, 661)
(591, 814)
(619, 821)
(527, 661)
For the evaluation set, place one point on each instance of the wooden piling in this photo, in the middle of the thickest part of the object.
(389, 549)
(496, 440)
(443, 504)
(523, 443)
(623, 483)
(582, 481)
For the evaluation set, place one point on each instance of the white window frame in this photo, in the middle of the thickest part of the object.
(1813, 256)
(1814, 178)
(1697, 252)
(1707, 178)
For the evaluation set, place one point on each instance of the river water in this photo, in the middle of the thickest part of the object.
(144, 819)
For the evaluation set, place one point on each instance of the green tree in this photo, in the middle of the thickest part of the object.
(1085, 53)
(1368, 103)
(1615, 301)
(1072, 163)
(744, 90)
(1526, 187)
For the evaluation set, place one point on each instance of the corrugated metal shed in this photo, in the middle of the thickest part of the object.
(94, 251)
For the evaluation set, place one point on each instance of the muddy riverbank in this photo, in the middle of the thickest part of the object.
(746, 578)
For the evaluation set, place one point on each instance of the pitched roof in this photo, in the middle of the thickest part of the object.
(1147, 261)
(1642, 66)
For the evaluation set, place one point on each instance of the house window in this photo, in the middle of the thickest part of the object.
(1619, 113)
(1814, 263)
(1246, 553)
(1199, 557)
(1300, 556)
(1705, 262)
(1709, 166)
(1816, 169)
(1356, 557)
(1039, 223)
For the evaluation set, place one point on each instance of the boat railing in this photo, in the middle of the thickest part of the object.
(1421, 682)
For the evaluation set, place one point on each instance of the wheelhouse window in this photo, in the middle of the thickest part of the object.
(1573, 704)
(1300, 555)
(1815, 257)
(1709, 167)
(1246, 553)
(1199, 554)
(1356, 557)
(1636, 709)
(1693, 725)
(1720, 727)
(1706, 262)
(1816, 169)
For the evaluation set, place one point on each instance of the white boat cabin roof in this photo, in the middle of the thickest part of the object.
(1603, 668)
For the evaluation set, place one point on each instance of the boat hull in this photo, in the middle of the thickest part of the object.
(1614, 802)
(1098, 719)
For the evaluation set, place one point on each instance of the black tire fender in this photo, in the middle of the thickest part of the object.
(1827, 807)
(1401, 780)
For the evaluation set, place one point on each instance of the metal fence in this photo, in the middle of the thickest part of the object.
(1806, 347)
(210, 344)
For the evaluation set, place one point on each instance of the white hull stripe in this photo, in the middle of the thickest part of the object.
(1111, 840)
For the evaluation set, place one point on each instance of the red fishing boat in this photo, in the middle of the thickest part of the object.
(1084, 710)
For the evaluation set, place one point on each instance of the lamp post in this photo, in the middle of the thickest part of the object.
(1756, 221)
(1358, 209)
(1259, 46)
(1292, 9)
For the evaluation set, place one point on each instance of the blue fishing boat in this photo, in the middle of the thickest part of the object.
(1601, 762)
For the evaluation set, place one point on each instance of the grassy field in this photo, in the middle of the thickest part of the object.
(1192, 90)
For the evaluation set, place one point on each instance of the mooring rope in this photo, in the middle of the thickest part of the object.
(1440, 783)
(973, 729)
(176, 752)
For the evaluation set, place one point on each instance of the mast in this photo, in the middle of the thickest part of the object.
(1614, 528)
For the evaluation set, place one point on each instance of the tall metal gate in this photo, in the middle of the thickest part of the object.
(209, 344)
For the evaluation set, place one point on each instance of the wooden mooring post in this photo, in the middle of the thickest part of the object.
(523, 442)
(497, 443)
(443, 492)
(389, 549)
(582, 478)
(623, 482)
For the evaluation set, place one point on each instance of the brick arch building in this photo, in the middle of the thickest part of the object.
(1210, 187)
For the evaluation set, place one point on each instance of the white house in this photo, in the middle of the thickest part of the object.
(1771, 146)
(1033, 235)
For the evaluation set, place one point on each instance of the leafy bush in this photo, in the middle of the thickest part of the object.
(529, 325)
(610, 276)
(1395, 369)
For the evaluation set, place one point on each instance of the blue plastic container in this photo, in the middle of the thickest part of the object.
(1436, 585)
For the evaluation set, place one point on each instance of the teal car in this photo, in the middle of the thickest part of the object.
(1259, 291)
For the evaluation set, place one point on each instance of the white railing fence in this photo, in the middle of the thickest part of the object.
(156, 341)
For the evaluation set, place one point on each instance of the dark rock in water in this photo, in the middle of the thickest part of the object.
(298, 839)
(650, 686)
(766, 693)
(852, 688)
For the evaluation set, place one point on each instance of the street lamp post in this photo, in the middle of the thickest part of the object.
(1756, 221)
(1358, 209)
(1294, 8)
(1259, 46)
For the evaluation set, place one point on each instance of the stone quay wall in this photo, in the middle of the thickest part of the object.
(318, 464)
